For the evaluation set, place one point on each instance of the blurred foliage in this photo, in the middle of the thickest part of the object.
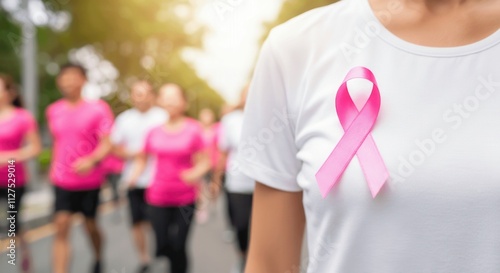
(123, 32)
(9, 33)
(44, 160)
(292, 8)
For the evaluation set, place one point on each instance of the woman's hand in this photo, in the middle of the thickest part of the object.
(84, 165)
(5, 157)
(200, 168)
(216, 183)
(129, 184)
(138, 167)
(190, 176)
(215, 188)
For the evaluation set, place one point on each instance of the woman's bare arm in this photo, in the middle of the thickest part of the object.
(277, 231)
(31, 149)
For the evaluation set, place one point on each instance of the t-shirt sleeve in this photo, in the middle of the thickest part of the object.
(197, 143)
(267, 150)
(106, 117)
(223, 136)
(30, 124)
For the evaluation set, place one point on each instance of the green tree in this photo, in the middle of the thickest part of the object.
(9, 40)
(123, 32)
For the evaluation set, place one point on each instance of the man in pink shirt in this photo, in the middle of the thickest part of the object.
(80, 132)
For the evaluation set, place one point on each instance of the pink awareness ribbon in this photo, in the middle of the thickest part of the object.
(357, 139)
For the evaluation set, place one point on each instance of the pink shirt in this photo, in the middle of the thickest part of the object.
(112, 164)
(210, 140)
(216, 153)
(77, 130)
(13, 130)
(173, 152)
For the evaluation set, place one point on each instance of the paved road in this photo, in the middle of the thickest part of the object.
(209, 251)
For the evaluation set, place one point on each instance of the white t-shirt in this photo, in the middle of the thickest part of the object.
(438, 132)
(130, 130)
(236, 181)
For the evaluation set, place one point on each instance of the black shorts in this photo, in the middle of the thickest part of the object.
(85, 202)
(138, 206)
(17, 195)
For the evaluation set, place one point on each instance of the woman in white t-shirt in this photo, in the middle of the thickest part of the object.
(438, 132)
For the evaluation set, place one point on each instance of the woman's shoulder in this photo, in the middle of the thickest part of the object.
(193, 123)
(55, 106)
(319, 23)
(98, 104)
(193, 126)
(25, 115)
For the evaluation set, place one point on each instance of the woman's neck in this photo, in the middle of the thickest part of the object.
(5, 110)
(144, 109)
(439, 23)
(175, 119)
(207, 126)
(6, 107)
(74, 101)
(441, 6)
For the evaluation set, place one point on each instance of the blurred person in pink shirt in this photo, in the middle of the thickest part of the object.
(19, 141)
(207, 121)
(181, 162)
(129, 131)
(80, 132)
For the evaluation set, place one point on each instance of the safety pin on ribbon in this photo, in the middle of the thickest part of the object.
(357, 138)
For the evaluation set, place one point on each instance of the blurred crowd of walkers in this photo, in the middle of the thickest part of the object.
(171, 167)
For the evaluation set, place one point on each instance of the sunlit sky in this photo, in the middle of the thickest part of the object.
(226, 61)
(232, 45)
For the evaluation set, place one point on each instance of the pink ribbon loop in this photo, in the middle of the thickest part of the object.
(356, 140)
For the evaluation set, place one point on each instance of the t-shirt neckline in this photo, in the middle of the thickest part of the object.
(12, 115)
(176, 132)
(73, 107)
(456, 51)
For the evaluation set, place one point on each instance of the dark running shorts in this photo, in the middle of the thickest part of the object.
(138, 206)
(18, 195)
(85, 202)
